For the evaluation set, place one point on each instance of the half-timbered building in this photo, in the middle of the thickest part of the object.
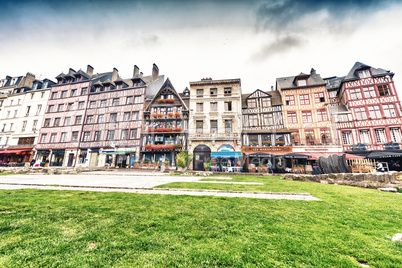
(306, 115)
(371, 118)
(165, 127)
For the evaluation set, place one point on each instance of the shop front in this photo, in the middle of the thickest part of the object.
(15, 156)
(226, 159)
(258, 158)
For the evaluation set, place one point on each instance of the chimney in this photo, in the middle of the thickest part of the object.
(115, 74)
(272, 88)
(155, 72)
(141, 74)
(136, 71)
(313, 72)
(90, 70)
(29, 79)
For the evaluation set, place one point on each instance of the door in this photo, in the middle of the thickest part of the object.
(201, 154)
(70, 160)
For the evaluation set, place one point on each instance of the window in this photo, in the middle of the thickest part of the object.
(63, 137)
(389, 110)
(47, 122)
(103, 103)
(228, 126)
(126, 116)
(214, 106)
(84, 91)
(34, 125)
(64, 94)
(214, 126)
(295, 137)
(213, 92)
(310, 139)
(115, 102)
(355, 94)
(319, 97)
(78, 119)
(16, 112)
(67, 121)
(70, 106)
(81, 105)
(369, 92)
(42, 94)
(33, 94)
(90, 119)
(24, 125)
(54, 95)
(364, 73)
(74, 136)
(200, 107)
(27, 112)
(332, 94)
(113, 117)
(200, 92)
(60, 108)
(135, 115)
(396, 134)
(268, 119)
(307, 118)
(53, 137)
(133, 133)
(227, 91)
(43, 138)
(365, 136)
(38, 109)
(290, 100)
(304, 99)
(92, 104)
(97, 136)
(4, 128)
(302, 82)
(266, 102)
(360, 113)
(374, 111)
(85, 136)
(57, 121)
(253, 139)
(101, 118)
(253, 120)
(383, 90)
(251, 103)
(110, 135)
(325, 136)
(73, 92)
(124, 134)
(292, 117)
(11, 126)
(137, 99)
(228, 106)
(380, 136)
(129, 100)
(8, 114)
(199, 126)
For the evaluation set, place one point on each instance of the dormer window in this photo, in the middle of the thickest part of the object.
(35, 86)
(302, 82)
(364, 74)
(45, 84)
(119, 86)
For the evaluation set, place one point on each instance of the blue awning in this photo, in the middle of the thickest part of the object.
(226, 155)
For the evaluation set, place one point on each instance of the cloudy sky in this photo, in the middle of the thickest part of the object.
(254, 40)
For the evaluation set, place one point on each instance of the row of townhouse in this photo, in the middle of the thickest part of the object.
(98, 119)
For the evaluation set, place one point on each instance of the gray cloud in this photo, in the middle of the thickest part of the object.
(280, 45)
(287, 20)
(142, 40)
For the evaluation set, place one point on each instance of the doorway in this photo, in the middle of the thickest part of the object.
(201, 154)
(70, 160)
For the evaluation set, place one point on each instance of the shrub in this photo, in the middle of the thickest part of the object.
(183, 159)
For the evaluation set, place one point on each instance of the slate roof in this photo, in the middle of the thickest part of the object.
(353, 73)
(276, 98)
(339, 109)
(81, 72)
(291, 82)
(334, 82)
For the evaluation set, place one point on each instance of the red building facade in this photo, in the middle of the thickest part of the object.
(369, 113)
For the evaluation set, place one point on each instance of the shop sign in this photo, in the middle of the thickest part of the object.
(267, 149)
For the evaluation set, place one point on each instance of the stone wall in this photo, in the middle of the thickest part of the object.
(375, 180)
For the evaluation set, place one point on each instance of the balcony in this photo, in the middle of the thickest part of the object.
(162, 147)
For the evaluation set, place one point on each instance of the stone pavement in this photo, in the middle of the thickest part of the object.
(133, 182)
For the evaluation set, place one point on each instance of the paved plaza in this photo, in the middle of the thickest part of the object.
(134, 182)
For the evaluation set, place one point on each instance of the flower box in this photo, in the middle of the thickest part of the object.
(177, 129)
(267, 143)
(177, 114)
(280, 143)
(159, 115)
(170, 114)
(169, 100)
(161, 101)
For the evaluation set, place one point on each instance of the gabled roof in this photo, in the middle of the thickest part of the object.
(61, 75)
(81, 72)
(276, 98)
(291, 81)
(353, 73)
(165, 85)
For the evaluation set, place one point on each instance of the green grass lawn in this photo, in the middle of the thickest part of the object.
(92, 229)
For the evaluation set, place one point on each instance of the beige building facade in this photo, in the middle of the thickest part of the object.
(215, 123)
